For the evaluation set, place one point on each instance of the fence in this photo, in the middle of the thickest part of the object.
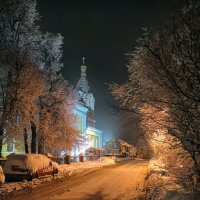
(68, 159)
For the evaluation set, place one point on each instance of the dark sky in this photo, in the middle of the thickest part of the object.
(103, 31)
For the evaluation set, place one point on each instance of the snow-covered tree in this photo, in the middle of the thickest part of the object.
(56, 128)
(17, 34)
(163, 83)
(24, 83)
(30, 75)
(56, 119)
(17, 24)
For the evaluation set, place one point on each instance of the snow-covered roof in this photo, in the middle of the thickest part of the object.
(82, 85)
(122, 142)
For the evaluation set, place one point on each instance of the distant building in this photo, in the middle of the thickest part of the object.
(85, 104)
(118, 147)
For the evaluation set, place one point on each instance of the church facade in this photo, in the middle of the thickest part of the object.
(84, 111)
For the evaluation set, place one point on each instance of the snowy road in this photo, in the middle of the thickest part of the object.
(113, 183)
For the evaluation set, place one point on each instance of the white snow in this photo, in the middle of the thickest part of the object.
(64, 170)
(157, 167)
(49, 155)
(125, 158)
(169, 188)
(80, 166)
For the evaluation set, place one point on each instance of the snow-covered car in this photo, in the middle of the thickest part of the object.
(28, 166)
(2, 177)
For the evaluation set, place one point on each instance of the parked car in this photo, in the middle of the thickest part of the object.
(2, 177)
(28, 166)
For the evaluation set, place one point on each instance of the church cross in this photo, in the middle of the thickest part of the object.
(83, 60)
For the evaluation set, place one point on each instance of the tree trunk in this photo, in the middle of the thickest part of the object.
(26, 141)
(196, 165)
(1, 141)
(41, 146)
(34, 136)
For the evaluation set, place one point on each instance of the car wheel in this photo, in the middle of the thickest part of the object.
(34, 175)
(55, 171)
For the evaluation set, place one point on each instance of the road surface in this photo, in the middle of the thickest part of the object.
(112, 183)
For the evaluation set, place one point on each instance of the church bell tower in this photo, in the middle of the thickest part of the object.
(83, 95)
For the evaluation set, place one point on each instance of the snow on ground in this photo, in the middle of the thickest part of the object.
(125, 158)
(79, 166)
(168, 188)
(64, 171)
(157, 167)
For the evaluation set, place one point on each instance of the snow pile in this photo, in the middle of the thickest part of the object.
(15, 186)
(160, 185)
(157, 167)
(49, 155)
(80, 166)
(32, 162)
(106, 161)
(55, 165)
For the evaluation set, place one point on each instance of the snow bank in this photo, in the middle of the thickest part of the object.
(106, 161)
(80, 166)
(49, 155)
(157, 167)
(160, 185)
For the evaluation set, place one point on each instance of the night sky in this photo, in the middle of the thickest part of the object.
(102, 31)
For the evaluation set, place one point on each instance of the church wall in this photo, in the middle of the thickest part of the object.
(80, 113)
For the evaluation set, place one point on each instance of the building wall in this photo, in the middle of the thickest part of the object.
(95, 136)
(117, 146)
(81, 116)
(92, 137)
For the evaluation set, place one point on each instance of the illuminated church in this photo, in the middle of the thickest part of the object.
(85, 103)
